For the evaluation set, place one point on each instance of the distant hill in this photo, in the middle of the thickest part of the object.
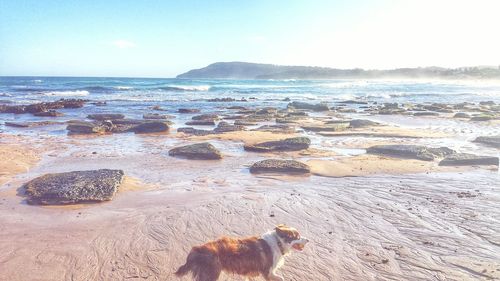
(246, 70)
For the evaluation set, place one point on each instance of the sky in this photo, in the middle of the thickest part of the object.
(165, 38)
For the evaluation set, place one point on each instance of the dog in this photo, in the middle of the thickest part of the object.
(250, 257)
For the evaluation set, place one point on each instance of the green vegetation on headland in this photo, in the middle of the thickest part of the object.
(245, 70)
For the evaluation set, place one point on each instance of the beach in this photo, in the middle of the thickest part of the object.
(387, 193)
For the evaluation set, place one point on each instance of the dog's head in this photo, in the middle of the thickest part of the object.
(290, 238)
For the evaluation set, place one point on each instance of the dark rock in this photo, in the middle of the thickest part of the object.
(237, 107)
(493, 141)
(278, 128)
(328, 127)
(74, 187)
(193, 131)
(267, 111)
(290, 144)
(106, 116)
(30, 124)
(280, 166)
(156, 116)
(158, 108)
(188, 110)
(461, 115)
(225, 100)
(201, 151)
(410, 151)
(465, 159)
(50, 113)
(308, 106)
(353, 102)
(361, 123)
(245, 122)
(83, 127)
(425, 113)
(487, 103)
(99, 103)
(223, 127)
(482, 118)
(201, 123)
(150, 127)
(208, 116)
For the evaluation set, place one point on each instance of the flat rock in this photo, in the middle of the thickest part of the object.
(280, 166)
(74, 187)
(30, 124)
(206, 122)
(105, 116)
(208, 116)
(331, 127)
(290, 144)
(410, 151)
(195, 132)
(491, 141)
(188, 110)
(461, 115)
(224, 127)
(200, 151)
(361, 123)
(150, 127)
(156, 116)
(426, 113)
(83, 127)
(278, 128)
(49, 113)
(465, 159)
(309, 106)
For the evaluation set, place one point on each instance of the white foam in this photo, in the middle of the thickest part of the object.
(67, 93)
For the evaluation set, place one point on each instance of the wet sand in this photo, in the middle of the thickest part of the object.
(369, 217)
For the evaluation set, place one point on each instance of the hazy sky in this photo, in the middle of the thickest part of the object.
(165, 38)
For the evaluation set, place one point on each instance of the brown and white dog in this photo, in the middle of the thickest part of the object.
(250, 257)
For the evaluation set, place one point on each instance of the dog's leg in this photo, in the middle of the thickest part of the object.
(273, 277)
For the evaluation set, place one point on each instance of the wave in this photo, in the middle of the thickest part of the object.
(123, 87)
(179, 88)
(67, 93)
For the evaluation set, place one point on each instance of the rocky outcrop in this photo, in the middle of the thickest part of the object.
(195, 132)
(43, 106)
(49, 113)
(204, 122)
(150, 127)
(361, 123)
(224, 127)
(83, 127)
(461, 115)
(309, 106)
(200, 151)
(188, 110)
(280, 166)
(493, 141)
(290, 144)
(105, 116)
(465, 159)
(74, 187)
(418, 152)
(208, 116)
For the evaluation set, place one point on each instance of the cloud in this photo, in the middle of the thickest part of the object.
(123, 44)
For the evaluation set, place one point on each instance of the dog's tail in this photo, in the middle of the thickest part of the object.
(183, 270)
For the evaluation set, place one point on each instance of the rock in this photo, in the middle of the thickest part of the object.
(223, 127)
(206, 117)
(465, 159)
(188, 110)
(482, 118)
(158, 108)
(353, 102)
(150, 127)
(200, 151)
(493, 141)
(74, 187)
(43, 106)
(83, 127)
(487, 103)
(225, 100)
(332, 127)
(290, 144)
(193, 131)
(278, 128)
(100, 103)
(106, 116)
(425, 113)
(461, 115)
(245, 122)
(30, 124)
(361, 123)
(156, 116)
(280, 166)
(201, 123)
(410, 151)
(308, 106)
(267, 111)
(237, 107)
(50, 113)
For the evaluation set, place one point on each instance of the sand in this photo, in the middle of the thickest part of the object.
(247, 137)
(16, 159)
(387, 132)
